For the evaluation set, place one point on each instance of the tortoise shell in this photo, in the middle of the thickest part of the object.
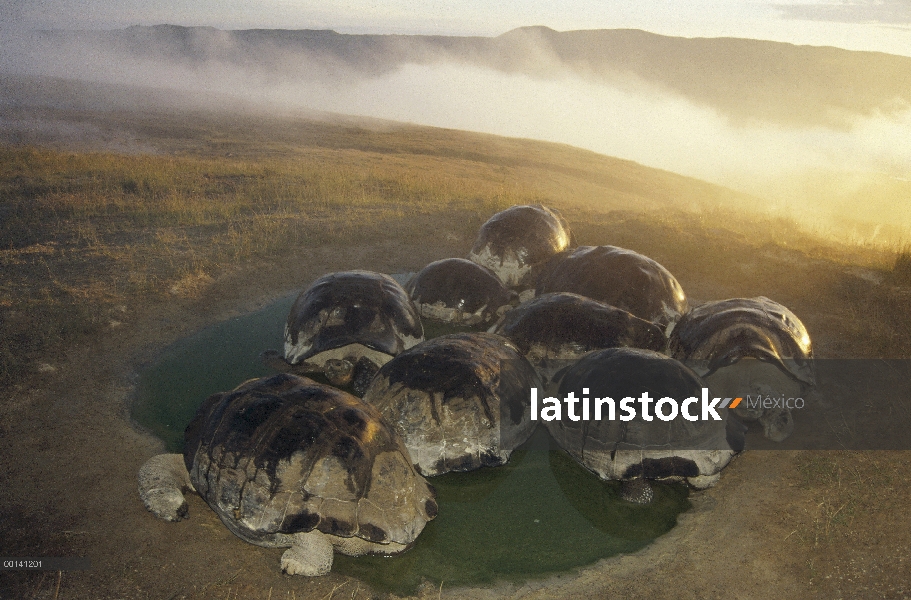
(515, 242)
(284, 455)
(460, 292)
(561, 325)
(459, 401)
(618, 277)
(651, 449)
(717, 334)
(351, 308)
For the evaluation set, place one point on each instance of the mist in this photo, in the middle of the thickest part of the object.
(815, 172)
(838, 181)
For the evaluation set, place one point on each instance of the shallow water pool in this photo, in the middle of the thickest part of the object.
(542, 513)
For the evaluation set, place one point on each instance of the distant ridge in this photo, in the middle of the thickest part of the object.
(743, 79)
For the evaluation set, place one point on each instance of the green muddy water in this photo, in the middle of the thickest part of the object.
(540, 514)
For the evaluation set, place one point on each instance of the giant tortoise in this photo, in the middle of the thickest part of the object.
(285, 461)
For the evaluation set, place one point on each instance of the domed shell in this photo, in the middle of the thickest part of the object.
(351, 313)
(459, 401)
(749, 348)
(515, 242)
(720, 333)
(561, 325)
(460, 292)
(284, 455)
(618, 277)
(651, 449)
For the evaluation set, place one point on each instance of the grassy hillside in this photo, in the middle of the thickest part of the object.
(86, 234)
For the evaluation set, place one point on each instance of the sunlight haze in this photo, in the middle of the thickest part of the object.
(805, 127)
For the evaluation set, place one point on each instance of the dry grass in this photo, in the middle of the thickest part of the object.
(852, 514)
(901, 268)
(86, 236)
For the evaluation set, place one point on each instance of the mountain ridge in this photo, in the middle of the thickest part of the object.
(744, 79)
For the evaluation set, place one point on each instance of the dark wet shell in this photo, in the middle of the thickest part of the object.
(561, 319)
(284, 454)
(351, 307)
(618, 277)
(619, 373)
(718, 334)
(461, 286)
(520, 237)
(460, 401)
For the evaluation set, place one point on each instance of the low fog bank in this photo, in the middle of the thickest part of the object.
(745, 80)
(849, 177)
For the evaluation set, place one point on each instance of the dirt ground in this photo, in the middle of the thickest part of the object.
(772, 528)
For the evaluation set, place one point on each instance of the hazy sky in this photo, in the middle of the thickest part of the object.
(883, 25)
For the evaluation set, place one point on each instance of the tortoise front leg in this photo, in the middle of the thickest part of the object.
(310, 554)
(162, 481)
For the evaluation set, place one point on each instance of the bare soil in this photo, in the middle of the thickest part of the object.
(778, 525)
